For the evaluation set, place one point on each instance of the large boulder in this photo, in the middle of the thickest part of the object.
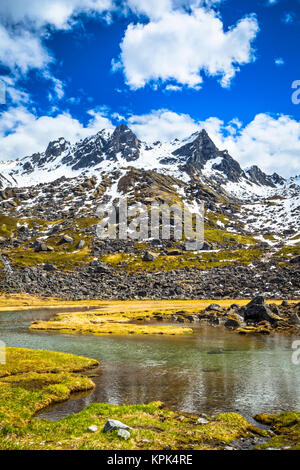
(257, 311)
(214, 307)
(41, 246)
(66, 239)
(148, 256)
(294, 319)
(233, 321)
(113, 424)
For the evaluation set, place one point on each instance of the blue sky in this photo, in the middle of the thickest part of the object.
(167, 68)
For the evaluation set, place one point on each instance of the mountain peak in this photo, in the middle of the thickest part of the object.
(257, 176)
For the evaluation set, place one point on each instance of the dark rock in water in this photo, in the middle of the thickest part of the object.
(233, 321)
(216, 351)
(259, 300)
(191, 318)
(274, 309)
(294, 319)
(158, 317)
(295, 260)
(213, 307)
(180, 320)
(214, 320)
(234, 306)
(257, 311)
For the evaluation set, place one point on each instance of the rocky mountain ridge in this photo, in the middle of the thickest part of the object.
(121, 146)
(48, 221)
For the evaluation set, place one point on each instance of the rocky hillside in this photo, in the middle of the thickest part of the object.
(48, 220)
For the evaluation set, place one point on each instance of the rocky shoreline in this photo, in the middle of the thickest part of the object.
(52, 377)
(101, 281)
(256, 317)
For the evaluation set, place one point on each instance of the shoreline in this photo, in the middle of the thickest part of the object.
(152, 426)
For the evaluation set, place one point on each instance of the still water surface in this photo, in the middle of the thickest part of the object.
(212, 371)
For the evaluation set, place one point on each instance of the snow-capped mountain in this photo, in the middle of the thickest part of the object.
(194, 167)
(120, 148)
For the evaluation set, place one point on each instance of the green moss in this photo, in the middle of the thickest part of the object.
(7, 225)
(25, 393)
(198, 260)
(286, 427)
(84, 222)
(289, 251)
(214, 218)
(31, 380)
(95, 323)
(20, 361)
(62, 259)
(216, 235)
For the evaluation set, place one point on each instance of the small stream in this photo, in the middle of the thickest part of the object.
(212, 371)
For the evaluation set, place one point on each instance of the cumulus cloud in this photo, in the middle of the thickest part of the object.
(24, 26)
(57, 13)
(181, 46)
(162, 125)
(154, 9)
(271, 142)
(22, 133)
(22, 51)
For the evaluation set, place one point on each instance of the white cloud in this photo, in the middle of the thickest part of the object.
(22, 133)
(57, 13)
(155, 9)
(180, 46)
(279, 61)
(272, 143)
(17, 95)
(162, 125)
(22, 52)
(23, 29)
(173, 88)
